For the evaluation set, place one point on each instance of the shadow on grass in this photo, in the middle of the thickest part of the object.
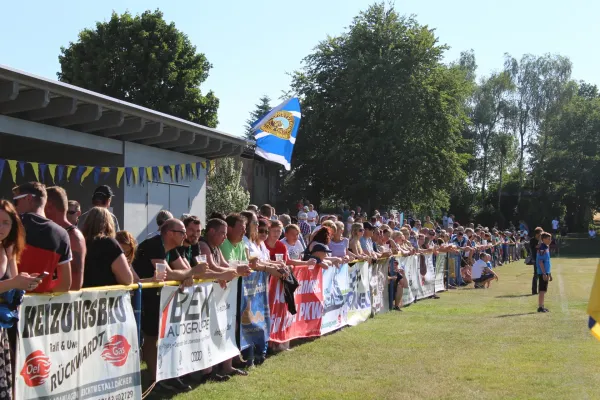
(516, 315)
(512, 296)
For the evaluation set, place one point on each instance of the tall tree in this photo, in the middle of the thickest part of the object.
(382, 113)
(489, 103)
(143, 60)
(225, 193)
(540, 83)
(504, 145)
(262, 108)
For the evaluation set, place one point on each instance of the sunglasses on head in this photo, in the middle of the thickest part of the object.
(21, 196)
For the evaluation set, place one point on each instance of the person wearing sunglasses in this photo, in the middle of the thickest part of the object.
(48, 248)
(73, 212)
(356, 233)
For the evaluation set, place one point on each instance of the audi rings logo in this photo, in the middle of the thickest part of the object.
(196, 356)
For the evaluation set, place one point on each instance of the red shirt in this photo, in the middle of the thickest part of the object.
(47, 246)
(279, 248)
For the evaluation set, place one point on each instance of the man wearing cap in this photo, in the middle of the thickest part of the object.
(101, 198)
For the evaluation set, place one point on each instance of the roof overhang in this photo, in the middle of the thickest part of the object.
(29, 97)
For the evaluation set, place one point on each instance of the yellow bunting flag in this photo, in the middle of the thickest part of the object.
(70, 169)
(182, 166)
(52, 170)
(594, 306)
(203, 164)
(105, 169)
(36, 170)
(193, 168)
(12, 164)
(172, 170)
(120, 172)
(148, 174)
(88, 171)
(136, 177)
(160, 172)
(212, 165)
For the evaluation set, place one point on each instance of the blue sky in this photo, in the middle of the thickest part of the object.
(254, 44)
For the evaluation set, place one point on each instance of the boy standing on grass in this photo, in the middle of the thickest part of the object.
(543, 269)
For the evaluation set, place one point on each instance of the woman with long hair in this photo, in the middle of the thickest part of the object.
(354, 245)
(12, 243)
(105, 262)
(339, 244)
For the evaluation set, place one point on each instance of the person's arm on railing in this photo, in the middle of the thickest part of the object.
(121, 270)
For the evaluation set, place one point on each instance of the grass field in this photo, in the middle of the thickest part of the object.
(470, 344)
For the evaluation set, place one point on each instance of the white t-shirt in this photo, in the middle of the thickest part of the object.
(554, 224)
(262, 251)
(450, 222)
(312, 215)
(477, 269)
(295, 251)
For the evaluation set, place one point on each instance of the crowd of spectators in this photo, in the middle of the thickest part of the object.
(48, 245)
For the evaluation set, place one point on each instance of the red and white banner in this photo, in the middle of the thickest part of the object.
(309, 306)
(80, 345)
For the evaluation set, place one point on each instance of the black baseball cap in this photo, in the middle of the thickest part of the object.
(103, 192)
(320, 247)
(368, 226)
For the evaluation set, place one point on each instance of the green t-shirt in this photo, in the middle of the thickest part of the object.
(234, 252)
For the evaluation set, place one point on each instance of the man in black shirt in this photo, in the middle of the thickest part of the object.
(533, 248)
(190, 248)
(157, 250)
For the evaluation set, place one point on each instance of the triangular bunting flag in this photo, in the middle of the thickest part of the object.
(22, 167)
(52, 170)
(60, 170)
(43, 170)
(203, 164)
(182, 170)
(1, 167)
(36, 170)
(170, 169)
(120, 171)
(97, 171)
(88, 171)
(127, 175)
(70, 169)
(12, 164)
(79, 173)
(136, 178)
(160, 173)
(148, 174)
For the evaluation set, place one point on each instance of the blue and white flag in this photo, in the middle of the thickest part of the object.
(275, 133)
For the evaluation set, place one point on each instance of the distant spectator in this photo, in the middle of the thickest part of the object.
(74, 212)
(428, 224)
(105, 261)
(312, 216)
(592, 233)
(266, 211)
(303, 225)
(48, 246)
(253, 208)
(555, 225)
(56, 210)
(161, 217)
(102, 197)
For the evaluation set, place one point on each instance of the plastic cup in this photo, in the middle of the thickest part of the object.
(161, 267)
(201, 258)
(279, 257)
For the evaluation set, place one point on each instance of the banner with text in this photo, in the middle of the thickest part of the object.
(359, 296)
(411, 273)
(440, 267)
(255, 321)
(427, 278)
(77, 346)
(379, 286)
(335, 292)
(309, 306)
(196, 328)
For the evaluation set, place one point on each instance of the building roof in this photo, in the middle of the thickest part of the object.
(33, 98)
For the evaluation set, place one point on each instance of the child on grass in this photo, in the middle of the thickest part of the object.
(543, 267)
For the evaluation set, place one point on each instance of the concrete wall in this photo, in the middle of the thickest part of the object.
(142, 202)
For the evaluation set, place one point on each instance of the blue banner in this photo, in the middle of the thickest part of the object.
(335, 293)
(255, 321)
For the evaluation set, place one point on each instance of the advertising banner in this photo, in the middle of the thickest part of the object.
(440, 267)
(196, 328)
(414, 279)
(359, 296)
(379, 287)
(255, 322)
(308, 298)
(335, 292)
(427, 280)
(77, 346)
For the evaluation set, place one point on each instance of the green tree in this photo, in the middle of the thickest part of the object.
(262, 108)
(225, 193)
(504, 147)
(489, 103)
(540, 82)
(143, 60)
(382, 116)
